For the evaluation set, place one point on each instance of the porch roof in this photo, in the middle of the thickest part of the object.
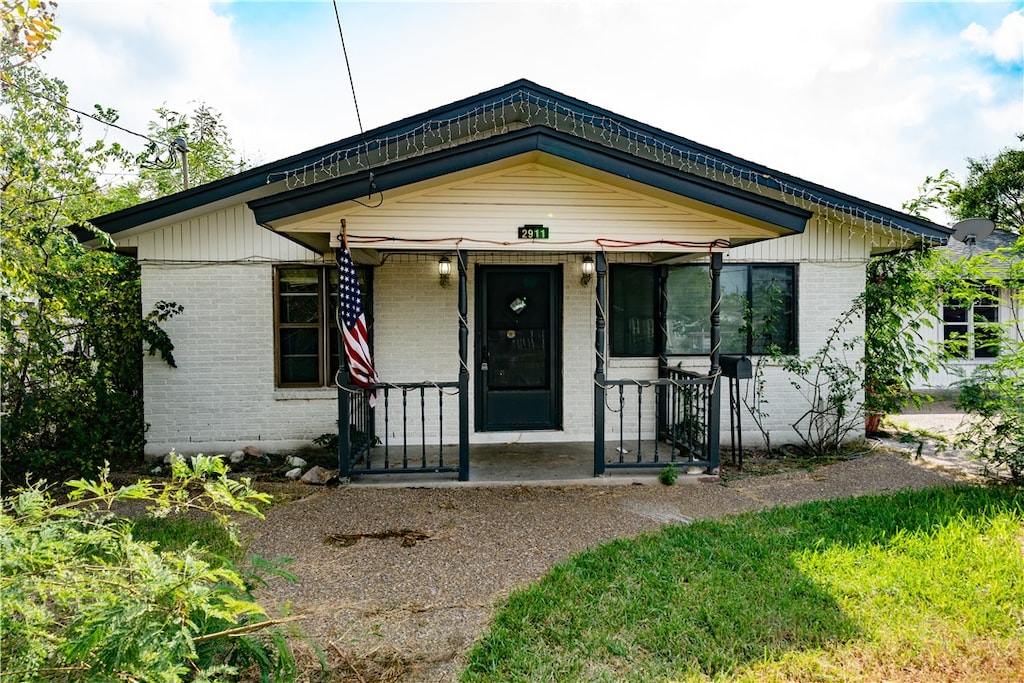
(517, 117)
(788, 219)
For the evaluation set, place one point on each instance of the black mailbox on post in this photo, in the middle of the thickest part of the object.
(736, 367)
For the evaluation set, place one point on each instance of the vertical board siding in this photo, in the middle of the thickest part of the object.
(821, 242)
(222, 236)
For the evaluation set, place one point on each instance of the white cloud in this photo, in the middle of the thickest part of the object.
(1005, 44)
(853, 95)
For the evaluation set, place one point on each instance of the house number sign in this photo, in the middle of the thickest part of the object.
(533, 232)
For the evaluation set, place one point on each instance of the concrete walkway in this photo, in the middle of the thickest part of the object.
(934, 428)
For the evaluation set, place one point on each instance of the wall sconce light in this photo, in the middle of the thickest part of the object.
(588, 271)
(444, 270)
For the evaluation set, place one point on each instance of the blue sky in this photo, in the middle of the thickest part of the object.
(862, 96)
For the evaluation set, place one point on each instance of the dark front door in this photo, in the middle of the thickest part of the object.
(518, 348)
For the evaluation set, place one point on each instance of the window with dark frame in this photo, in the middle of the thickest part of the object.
(970, 330)
(306, 332)
(758, 309)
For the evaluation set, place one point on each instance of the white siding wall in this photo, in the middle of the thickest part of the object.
(227, 235)
(222, 395)
(482, 212)
(822, 242)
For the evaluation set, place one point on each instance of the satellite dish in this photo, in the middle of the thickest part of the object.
(970, 230)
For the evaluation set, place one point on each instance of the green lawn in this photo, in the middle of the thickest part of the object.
(178, 533)
(922, 585)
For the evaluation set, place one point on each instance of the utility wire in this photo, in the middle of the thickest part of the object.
(86, 114)
(351, 83)
(359, 118)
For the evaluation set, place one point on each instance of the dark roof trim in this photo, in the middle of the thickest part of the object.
(565, 146)
(523, 89)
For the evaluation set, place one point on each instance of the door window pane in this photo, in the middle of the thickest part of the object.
(518, 359)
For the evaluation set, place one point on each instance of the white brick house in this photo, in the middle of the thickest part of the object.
(250, 258)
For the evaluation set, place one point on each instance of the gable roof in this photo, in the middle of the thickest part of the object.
(513, 119)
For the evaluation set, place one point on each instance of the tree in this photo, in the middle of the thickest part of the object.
(210, 154)
(71, 329)
(994, 189)
(28, 31)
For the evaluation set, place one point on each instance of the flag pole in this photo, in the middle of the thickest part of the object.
(344, 407)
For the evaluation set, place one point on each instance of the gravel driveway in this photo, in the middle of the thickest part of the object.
(412, 575)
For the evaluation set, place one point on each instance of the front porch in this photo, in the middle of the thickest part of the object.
(639, 422)
(531, 464)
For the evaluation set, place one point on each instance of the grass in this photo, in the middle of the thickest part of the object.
(922, 585)
(174, 534)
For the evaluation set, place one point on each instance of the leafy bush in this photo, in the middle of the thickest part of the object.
(829, 381)
(72, 370)
(85, 600)
(899, 287)
(993, 394)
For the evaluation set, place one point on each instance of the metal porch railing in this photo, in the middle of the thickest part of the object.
(660, 421)
(412, 417)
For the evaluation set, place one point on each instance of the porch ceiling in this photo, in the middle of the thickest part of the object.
(673, 209)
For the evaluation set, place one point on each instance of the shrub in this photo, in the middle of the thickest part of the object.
(85, 600)
(993, 394)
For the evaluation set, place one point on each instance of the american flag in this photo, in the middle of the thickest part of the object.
(353, 324)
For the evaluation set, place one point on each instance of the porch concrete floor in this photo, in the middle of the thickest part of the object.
(534, 464)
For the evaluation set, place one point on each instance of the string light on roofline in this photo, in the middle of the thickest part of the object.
(525, 107)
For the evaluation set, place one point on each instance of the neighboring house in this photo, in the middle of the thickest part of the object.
(615, 235)
(965, 332)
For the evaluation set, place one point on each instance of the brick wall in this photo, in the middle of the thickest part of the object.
(825, 292)
(222, 394)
